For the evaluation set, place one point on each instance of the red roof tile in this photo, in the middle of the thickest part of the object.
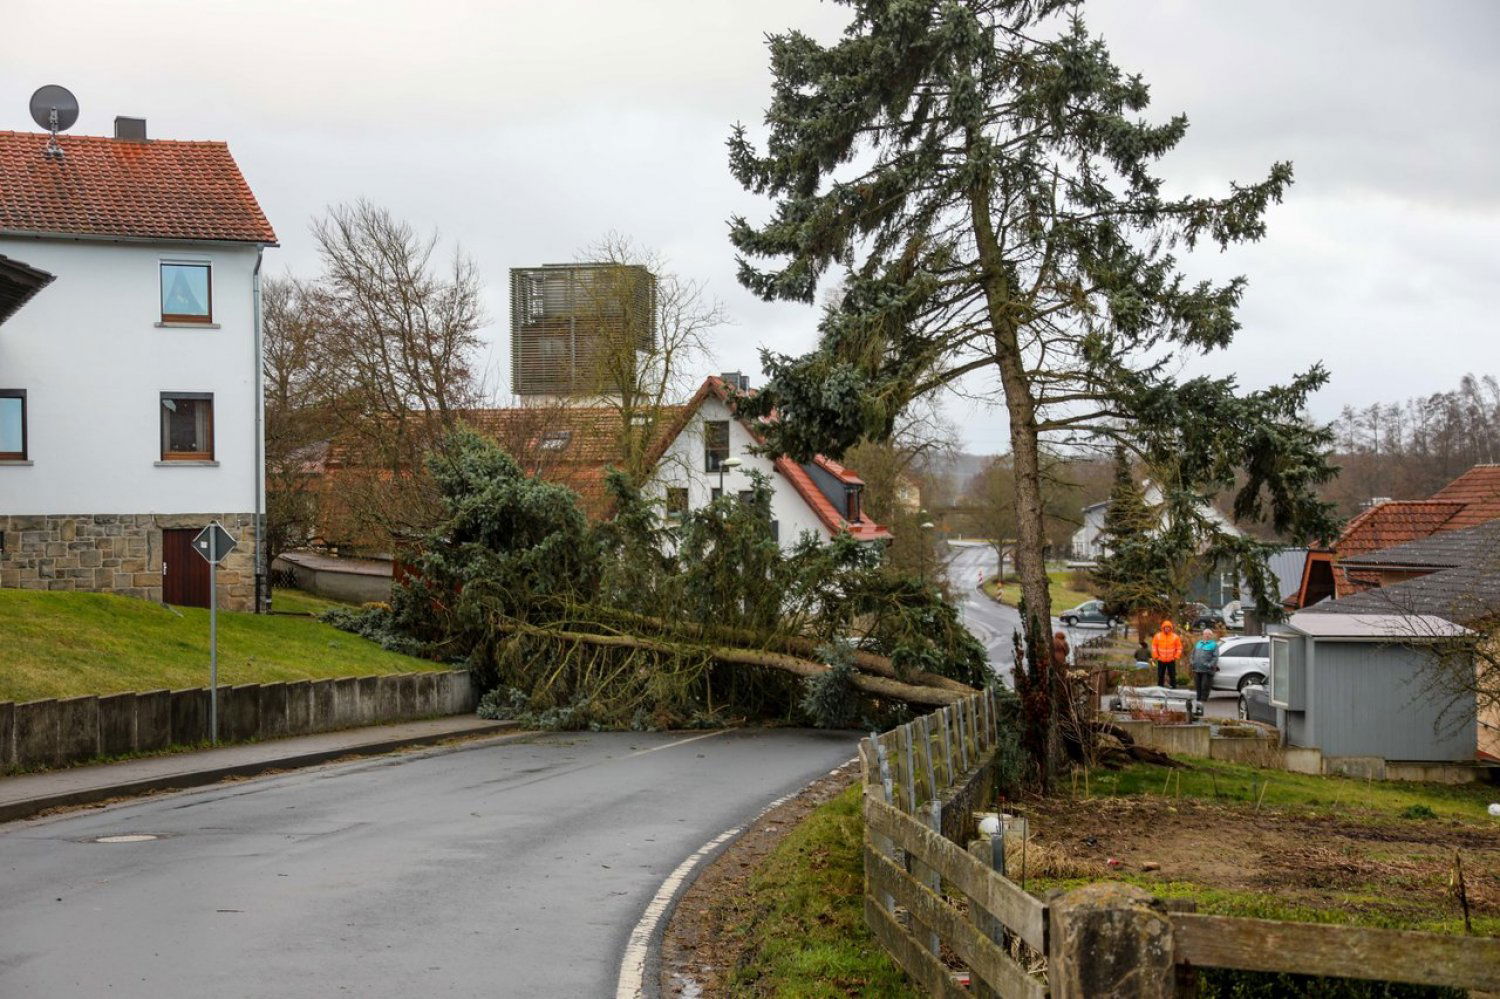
(1478, 490)
(159, 189)
(1385, 525)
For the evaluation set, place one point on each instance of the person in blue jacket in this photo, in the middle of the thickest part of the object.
(1205, 664)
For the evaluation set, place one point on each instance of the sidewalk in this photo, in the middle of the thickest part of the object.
(30, 794)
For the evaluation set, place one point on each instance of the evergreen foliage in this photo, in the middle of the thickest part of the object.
(1132, 572)
(981, 175)
(513, 575)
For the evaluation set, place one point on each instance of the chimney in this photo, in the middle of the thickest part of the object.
(130, 129)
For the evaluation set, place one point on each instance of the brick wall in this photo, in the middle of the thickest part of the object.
(116, 553)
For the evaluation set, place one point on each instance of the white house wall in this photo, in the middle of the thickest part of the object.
(683, 465)
(94, 363)
(86, 510)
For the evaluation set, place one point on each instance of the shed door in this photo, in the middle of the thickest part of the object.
(184, 573)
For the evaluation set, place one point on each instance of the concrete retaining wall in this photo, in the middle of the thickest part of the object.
(55, 732)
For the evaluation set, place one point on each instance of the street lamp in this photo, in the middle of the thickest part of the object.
(725, 464)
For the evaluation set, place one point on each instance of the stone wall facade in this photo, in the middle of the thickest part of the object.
(116, 553)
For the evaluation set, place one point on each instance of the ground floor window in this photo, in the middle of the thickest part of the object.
(677, 502)
(12, 424)
(187, 426)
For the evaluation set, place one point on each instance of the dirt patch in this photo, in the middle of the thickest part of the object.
(698, 950)
(1381, 871)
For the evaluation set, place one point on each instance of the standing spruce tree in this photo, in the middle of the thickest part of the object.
(1131, 573)
(979, 172)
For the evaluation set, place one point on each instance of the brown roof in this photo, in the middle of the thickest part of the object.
(1386, 525)
(100, 186)
(571, 445)
(1478, 490)
(576, 445)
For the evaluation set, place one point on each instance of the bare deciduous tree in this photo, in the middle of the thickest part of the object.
(397, 341)
(640, 373)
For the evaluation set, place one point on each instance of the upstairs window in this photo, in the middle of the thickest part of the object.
(186, 293)
(715, 443)
(852, 511)
(12, 424)
(677, 502)
(187, 426)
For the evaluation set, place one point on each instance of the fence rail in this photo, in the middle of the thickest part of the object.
(926, 896)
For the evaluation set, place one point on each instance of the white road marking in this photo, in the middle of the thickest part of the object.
(632, 984)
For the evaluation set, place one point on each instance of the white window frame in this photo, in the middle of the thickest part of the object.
(210, 323)
(1286, 660)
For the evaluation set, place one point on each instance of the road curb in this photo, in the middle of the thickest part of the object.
(30, 807)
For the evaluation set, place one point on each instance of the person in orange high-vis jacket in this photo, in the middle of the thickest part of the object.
(1166, 649)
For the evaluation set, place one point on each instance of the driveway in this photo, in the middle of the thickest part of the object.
(516, 869)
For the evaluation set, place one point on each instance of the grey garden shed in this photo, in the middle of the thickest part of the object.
(1360, 687)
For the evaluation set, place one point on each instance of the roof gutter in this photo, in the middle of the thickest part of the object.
(99, 237)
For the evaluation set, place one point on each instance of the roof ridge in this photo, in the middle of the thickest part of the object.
(66, 137)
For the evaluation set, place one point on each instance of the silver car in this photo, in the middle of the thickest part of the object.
(1243, 661)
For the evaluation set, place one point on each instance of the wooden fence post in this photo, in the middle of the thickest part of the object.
(1110, 939)
(932, 784)
(882, 843)
(945, 719)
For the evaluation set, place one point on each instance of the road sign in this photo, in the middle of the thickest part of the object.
(214, 543)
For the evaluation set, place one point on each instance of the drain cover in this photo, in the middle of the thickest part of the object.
(126, 838)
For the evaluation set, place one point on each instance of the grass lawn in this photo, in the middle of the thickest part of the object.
(287, 601)
(66, 644)
(1274, 845)
(1064, 597)
(806, 921)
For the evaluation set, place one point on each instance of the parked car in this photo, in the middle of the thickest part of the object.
(1243, 662)
(1255, 704)
(1088, 612)
(1231, 615)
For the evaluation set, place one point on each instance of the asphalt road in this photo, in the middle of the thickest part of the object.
(516, 869)
(993, 623)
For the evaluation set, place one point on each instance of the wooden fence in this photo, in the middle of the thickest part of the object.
(949, 915)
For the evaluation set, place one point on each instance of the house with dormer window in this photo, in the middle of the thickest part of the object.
(130, 411)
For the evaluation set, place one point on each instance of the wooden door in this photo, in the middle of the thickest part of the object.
(184, 573)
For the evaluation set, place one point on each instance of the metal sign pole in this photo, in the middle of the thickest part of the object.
(213, 543)
(213, 638)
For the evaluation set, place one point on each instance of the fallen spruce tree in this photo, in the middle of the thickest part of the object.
(646, 622)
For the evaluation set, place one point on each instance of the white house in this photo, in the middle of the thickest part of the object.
(1088, 541)
(820, 498)
(129, 384)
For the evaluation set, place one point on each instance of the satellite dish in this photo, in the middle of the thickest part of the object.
(55, 109)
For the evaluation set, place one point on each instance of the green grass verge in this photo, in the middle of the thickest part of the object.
(1221, 781)
(68, 644)
(286, 601)
(806, 925)
(1064, 596)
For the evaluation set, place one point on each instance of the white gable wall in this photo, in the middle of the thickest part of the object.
(683, 465)
(93, 362)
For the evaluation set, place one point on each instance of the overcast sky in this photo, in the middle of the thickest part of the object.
(524, 131)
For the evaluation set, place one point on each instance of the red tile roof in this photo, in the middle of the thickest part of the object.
(593, 445)
(1385, 525)
(159, 189)
(1478, 490)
